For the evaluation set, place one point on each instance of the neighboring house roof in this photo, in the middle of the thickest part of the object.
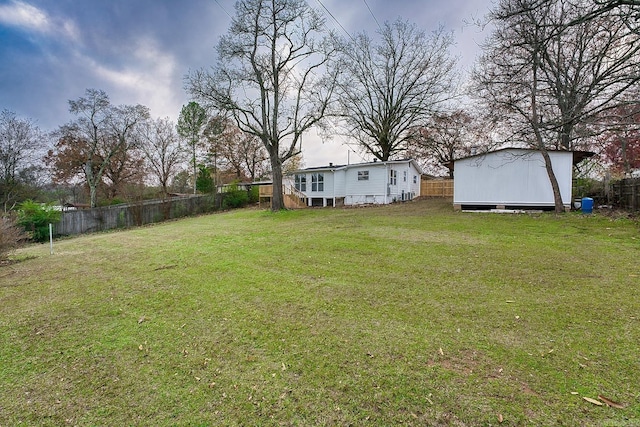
(332, 167)
(578, 156)
(77, 205)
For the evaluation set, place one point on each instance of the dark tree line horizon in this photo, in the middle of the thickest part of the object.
(115, 153)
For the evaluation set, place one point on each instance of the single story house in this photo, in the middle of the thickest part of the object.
(512, 178)
(375, 182)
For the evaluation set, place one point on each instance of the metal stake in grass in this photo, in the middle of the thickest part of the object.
(50, 239)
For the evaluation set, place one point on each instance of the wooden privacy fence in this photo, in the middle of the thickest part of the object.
(626, 193)
(135, 214)
(436, 188)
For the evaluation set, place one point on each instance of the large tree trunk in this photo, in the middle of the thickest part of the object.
(557, 197)
(535, 122)
(195, 168)
(277, 198)
(92, 182)
(93, 195)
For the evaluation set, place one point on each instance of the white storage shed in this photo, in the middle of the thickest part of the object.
(512, 178)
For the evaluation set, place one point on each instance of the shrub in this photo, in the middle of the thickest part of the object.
(11, 236)
(254, 194)
(235, 198)
(35, 219)
(588, 187)
(204, 181)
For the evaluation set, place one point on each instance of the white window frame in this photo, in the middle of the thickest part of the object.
(317, 182)
(301, 182)
(393, 177)
(363, 175)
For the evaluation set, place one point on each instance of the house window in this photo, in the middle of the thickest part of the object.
(415, 179)
(405, 174)
(317, 182)
(363, 175)
(301, 182)
(393, 177)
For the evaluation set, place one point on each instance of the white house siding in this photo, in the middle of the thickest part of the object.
(511, 177)
(341, 184)
(371, 191)
(405, 188)
(320, 197)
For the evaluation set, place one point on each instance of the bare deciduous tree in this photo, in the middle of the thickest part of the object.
(448, 136)
(124, 170)
(20, 141)
(100, 132)
(393, 86)
(162, 149)
(547, 79)
(191, 126)
(627, 11)
(621, 140)
(272, 77)
(235, 150)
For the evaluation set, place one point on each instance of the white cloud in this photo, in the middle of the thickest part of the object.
(316, 152)
(23, 15)
(29, 18)
(70, 30)
(149, 79)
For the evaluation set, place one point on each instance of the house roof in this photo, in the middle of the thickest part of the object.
(578, 156)
(332, 167)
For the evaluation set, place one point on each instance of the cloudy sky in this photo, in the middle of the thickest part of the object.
(138, 51)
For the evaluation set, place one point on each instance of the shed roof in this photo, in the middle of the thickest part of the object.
(578, 156)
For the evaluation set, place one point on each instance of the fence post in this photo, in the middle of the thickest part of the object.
(50, 239)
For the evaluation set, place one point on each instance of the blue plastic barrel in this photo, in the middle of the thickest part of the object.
(587, 205)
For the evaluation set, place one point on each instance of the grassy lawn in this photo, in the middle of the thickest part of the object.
(400, 315)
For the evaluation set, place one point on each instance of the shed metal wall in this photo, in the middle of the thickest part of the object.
(511, 177)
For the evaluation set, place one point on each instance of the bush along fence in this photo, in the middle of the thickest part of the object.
(626, 193)
(134, 214)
